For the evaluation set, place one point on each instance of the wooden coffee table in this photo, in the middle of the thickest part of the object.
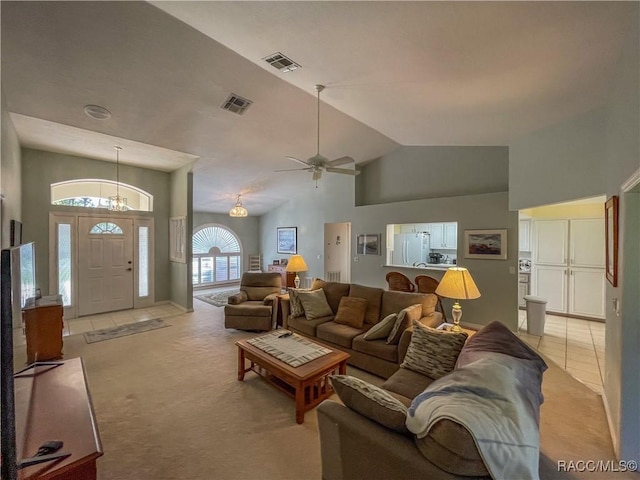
(308, 384)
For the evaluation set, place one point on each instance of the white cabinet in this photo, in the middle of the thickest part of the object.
(586, 292)
(407, 228)
(523, 288)
(586, 243)
(550, 283)
(524, 236)
(568, 265)
(451, 235)
(443, 235)
(550, 242)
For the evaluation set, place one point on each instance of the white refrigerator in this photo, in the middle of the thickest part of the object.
(407, 249)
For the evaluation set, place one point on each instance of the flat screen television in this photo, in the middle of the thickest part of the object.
(17, 285)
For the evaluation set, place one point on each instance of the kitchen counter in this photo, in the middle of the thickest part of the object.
(430, 266)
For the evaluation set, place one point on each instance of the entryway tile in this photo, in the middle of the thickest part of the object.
(80, 325)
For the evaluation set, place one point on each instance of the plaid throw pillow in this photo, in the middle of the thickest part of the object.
(295, 306)
(433, 352)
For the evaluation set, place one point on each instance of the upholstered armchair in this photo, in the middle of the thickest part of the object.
(255, 307)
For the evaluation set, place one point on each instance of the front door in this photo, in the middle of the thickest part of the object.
(105, 265)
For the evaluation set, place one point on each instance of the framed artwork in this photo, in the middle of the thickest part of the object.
(485, 244)
(15, 235)
(177, 239)
(287, 240)
(368, 244)
(611, 239)
(276, 262)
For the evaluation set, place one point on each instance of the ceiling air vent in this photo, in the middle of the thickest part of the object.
(282, 63)
(236, 104)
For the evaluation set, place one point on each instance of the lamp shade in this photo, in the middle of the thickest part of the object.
(238, 210)
(297, 264)
(458, 284)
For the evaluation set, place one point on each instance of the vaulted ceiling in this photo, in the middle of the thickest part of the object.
(397, 73)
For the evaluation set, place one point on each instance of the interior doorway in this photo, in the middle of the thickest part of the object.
(337, 252)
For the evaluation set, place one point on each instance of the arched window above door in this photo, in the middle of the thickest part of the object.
(106, 227)
(95, 193)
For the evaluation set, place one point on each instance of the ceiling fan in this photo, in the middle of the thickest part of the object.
(318, 163)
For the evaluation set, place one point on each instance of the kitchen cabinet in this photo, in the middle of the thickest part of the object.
(550, 283)
(524, 236)
(568, 265)
(443, 235)
(523, 288)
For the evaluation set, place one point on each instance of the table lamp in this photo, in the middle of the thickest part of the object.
(457, 284)
(296, 264)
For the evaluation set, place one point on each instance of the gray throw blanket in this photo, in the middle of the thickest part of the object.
(497, 398)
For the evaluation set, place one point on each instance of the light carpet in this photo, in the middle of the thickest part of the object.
(217, 299)
(124, 330)
(169, 407)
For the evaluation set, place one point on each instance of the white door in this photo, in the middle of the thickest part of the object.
(587, 243)
(337, 252)
(105, 265)
(550, 283)
(586, 292)
(550, 242)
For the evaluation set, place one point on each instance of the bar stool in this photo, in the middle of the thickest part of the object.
(427, 284)
(399, 282)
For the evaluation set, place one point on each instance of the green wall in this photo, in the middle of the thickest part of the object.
(10, 176)
(41, 169)
(182, 205)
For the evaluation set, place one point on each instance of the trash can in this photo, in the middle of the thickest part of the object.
(536, 311)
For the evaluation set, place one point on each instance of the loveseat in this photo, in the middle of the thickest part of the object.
(420, 427)
(379, 355)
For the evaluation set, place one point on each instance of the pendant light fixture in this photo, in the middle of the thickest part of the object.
(117, 203)
(238, 210)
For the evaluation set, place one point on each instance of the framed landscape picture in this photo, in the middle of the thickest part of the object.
(287, 240)
(485, 244)
(368, 244)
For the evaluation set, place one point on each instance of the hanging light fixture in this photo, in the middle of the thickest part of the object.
(238, 210)
(117, 203)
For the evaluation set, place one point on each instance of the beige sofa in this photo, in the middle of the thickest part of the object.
(357, 447)
(255, 307)
(374, 356)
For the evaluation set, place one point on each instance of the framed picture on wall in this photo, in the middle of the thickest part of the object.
(611, 239)
(485, 244)
(287, 239)
(368, 244)
(177, 239)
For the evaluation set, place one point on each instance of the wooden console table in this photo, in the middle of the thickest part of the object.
(287, 277)
(53, 403)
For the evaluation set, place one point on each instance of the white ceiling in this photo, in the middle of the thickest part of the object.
(397, 73)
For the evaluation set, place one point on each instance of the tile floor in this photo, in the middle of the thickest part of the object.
(575, 345)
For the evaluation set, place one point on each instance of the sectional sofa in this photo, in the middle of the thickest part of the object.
(378, 356)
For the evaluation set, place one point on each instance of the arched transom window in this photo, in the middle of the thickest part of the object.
(94, 193)
(216, 255)
(106, 227)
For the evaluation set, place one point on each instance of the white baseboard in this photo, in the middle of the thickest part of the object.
(612, 431)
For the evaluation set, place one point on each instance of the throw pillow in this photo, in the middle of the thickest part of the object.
(405, 317)
(315, 304)
(373, 402)
(295, 307)
(382, 328)
(433, 352)
(351, 311)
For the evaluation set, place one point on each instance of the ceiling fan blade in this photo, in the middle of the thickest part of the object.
(298, 160)
(340, 161)
(293, 170)
(343, 170)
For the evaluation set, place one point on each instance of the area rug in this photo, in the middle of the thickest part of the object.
(218, 299)
(124, 330)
